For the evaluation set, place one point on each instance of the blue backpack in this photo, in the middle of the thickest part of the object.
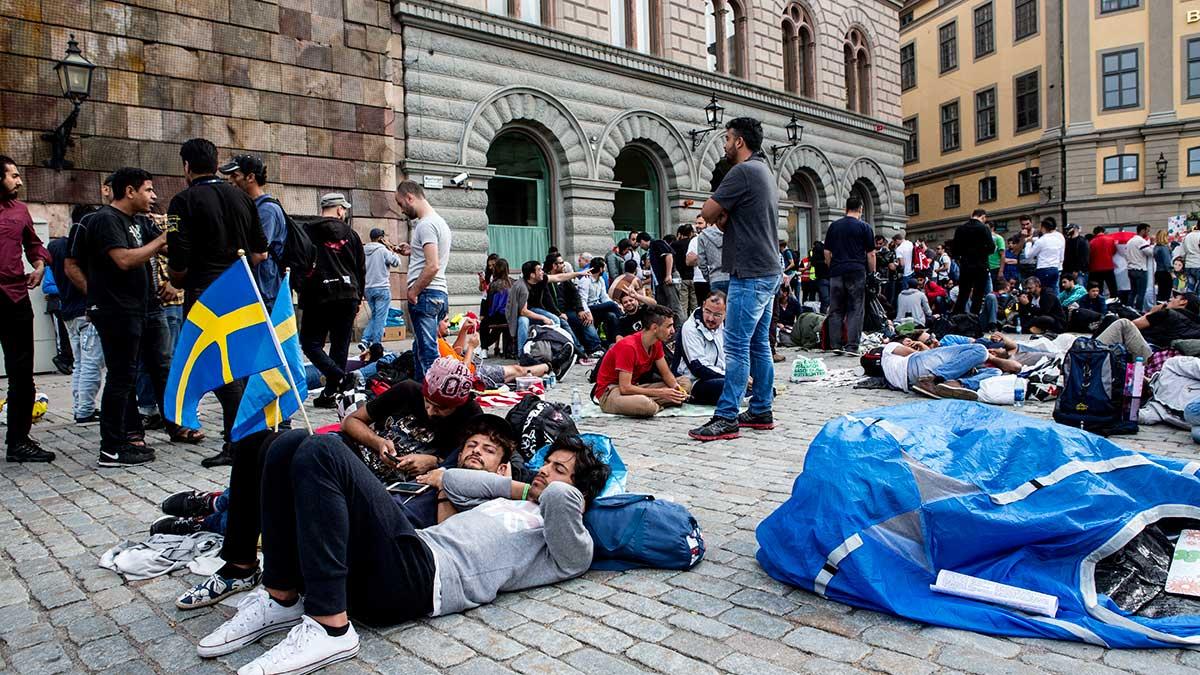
(630, 531)
(1093, 392)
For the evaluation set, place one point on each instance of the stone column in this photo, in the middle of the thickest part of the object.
(587, 210)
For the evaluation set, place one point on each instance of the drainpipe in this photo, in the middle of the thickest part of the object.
(1062, 131)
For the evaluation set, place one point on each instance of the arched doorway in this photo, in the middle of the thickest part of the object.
(638, 201)
(518, 208)
(862, 190)
(803, 223)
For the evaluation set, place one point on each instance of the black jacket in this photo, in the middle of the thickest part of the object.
(341, 269)
(1048, 307)
(972, 244)
(1076, 255)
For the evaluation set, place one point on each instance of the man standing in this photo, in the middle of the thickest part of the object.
(686, 273)
(1189, 252)
(207, 224)
(1101, 266)
(746, 207)
(332, 294)
(904, 255)
(118, 302)
(16, 312)
(380, 260)
(1138, 252)
(1075, 259)
(850, 254)
(249, 174)
(996, 259)
(692, 260)
(662, 266)
(1047, 251)
(973, 246)
(428, 250)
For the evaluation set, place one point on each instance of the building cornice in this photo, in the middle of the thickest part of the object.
(981, 161)
(505, 32)
(929, 16)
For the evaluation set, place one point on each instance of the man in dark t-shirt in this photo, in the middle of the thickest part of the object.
(745, 206)
(665, 268)
(850, 254)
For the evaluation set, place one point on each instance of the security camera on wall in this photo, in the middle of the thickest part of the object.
(461, 179)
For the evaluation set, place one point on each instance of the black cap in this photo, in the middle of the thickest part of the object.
(247, 164)
(377, 233)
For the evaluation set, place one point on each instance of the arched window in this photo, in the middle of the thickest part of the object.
(857, 57)
(530, 11)
(638, 201)
(636, 24)
(799, 51)
(725, 32)
(519, 200)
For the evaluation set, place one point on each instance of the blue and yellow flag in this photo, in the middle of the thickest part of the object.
(226, 337)
(268, 399)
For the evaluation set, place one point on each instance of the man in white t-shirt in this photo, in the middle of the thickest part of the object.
(1138, 252)
(904, 256)
(1047, 250)
(428, 249)
(954, 371)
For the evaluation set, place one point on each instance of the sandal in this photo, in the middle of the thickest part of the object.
(185, 435)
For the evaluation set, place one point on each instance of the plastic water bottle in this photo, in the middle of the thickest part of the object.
(553, 379)
(576, 405)
(1135, 388)
(1018, 325)
(1019, 393)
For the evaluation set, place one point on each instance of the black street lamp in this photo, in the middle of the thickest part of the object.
(713, 113)
(795, 131)
(1161, 165)
(75, 78)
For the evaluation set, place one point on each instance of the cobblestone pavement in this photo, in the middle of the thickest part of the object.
(60, 612)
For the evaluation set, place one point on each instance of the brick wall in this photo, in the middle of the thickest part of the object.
(306, 84)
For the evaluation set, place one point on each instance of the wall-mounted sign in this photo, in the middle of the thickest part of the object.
(433, 182)
(1193, 15)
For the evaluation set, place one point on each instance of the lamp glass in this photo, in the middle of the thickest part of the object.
(75, 73)
(714, 112)
(1161, 164)
(794, 131)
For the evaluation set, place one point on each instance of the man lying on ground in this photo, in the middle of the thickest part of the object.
(621, 387)
(331, 529)
(953, 371)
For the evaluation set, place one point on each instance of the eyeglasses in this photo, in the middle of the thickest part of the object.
(715, 315)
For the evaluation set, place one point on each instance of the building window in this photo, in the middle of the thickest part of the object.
(950, 135)
(1121, 169)
(1193, 162)
(857, 58)
(529, 11)
(985, 115)
(912, 205)
(985, 34)
(1025, 13)
(725, 29)
(1028, 181)
(908, 66)
(799, 51)
(1120, 79)
(634, 24)
(1117, 5)
(1028, 99)
(950, 197)
(948, 47)
(987, 189)
(1193, 68)
(906, 18)
(910, 145)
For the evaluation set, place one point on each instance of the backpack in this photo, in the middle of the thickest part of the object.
(966, 325)
(1093, 391)
(538, 423)
(299, 253)
(335, 275)
(549, 344)
(630, 530)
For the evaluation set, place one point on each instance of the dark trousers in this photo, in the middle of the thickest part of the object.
(847, 300)
(1049, 277)
(16, 339)
(667, 295)
(330, 529)
(124, 339)
(62, 341)
(1162, 282)
(607, 315)
(244, 509)
(333, 320)
(229, 395)
(1139, 282)
(1105, 279)
(702, 291)
(708, 392)
(972, 285)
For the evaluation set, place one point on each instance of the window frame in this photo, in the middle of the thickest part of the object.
(914, 139)
(942, 122)
(988, 180)
(906, 18)
(912, 62)
(912, 204)
(631, 27)
(1188, 94)
(991, 28)
(1120, 157)
(943, 52)
(1026, 175)
(1037, 20)
(1119, 53)
(1196, 149)
(952, 189)
(1036, 123)
(1100, 11)
(995, 122)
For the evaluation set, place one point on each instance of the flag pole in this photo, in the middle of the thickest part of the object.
(287, 369)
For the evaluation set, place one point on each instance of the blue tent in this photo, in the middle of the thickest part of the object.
(890, 496)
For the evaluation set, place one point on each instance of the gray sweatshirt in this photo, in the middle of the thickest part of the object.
(502, 544)
(709, 251)
(379, 259)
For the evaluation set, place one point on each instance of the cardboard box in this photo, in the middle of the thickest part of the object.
(395, 333)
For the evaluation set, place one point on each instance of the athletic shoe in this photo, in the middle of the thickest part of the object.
(598, 354)
(28, 450)
(587, 363)
(926, 387)
(215, 589)
(222, 458)
(125, 455)
(954, 389)
(175, 525)
(716, 429)
(257, 617)
(306, 648)
(325, 401)
(760, 421)
(90, 419)
(189, 504)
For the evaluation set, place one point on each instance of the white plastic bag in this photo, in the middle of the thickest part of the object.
(998, 390)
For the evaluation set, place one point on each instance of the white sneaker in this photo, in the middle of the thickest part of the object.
(257, 616)
(305, 649)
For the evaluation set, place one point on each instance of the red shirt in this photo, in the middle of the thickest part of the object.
(17, 235)
(1100, 253)
(627, 355)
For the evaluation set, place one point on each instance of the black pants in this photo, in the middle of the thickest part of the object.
(124, 339)
(1108, 279)
(334, 320)
(330, 528)
(229, 395)
(972, 285)
(708, 392)
(16, 339)
(62, 341)
(244, 510)
(1163, 282)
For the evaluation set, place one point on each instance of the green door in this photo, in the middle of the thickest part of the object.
(636, 206)
(518, 207)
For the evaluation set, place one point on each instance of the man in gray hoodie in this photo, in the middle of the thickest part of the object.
(380, 261)
(331, 529)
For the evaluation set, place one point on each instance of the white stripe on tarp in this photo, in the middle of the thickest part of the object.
(1072, 628)
(1190, 469)
(852, 543)
(1067, 470)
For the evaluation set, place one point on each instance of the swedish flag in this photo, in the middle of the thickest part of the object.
(268, 399)
(226, 337)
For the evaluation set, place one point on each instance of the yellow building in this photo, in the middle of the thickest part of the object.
(994, 126)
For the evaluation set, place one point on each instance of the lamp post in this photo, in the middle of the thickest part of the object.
(75, 79)
(795, 131)
(713, 113)
(1161, 165)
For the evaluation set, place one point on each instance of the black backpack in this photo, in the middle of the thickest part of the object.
(538, 423)
(549, 344)
(299, 253)
(966, 325)
(334, 276)
(1093, 392)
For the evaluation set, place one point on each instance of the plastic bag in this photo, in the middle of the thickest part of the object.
(998, 390)
(605, 451)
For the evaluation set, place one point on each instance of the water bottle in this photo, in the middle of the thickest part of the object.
(1018, 325)
(576, 405)
(553, 379)
(1135, 388)
(1019, 393)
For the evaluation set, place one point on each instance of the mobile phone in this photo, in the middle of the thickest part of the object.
(407, 488)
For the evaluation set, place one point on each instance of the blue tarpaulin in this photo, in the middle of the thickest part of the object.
(889, 497)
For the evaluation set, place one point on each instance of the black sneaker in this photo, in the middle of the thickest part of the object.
(90, 419)
(153, 422)
(28, 450)
(174, 525)
(222, 458)
(64, 366)
(325, 401)
(716, 429)
(760, 421)
(125, 455)
(189, 504)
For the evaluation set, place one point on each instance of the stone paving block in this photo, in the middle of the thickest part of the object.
(27, 636)
(437, 648)
(536, 663)
(667, 661)
(741, 664)
(43, 659)
(697, 646)
(1146, 661)
(174, 653)
(981, 663)
(598, 663)
(538, 611)
(896, 663)
(646, 630)
(641, 605)
(130, 613)
(975, 641)
(481, 666)
(820, 666)
(718, 588)
(107, 652)
(70, 613)
(149, 628)
(639, 585)
(407, 665)
(497, 617)
(592, 633)
(486, 640)
(767, 602)
(581, 605)
(826, 644)
(12, 592)
(54, 589)
(701, 624)
(756, 622)
(587, 588)
(696, 602)
(545, 639)
(91, 628)
(1057, 663)
(131, 668)
(905, 643)
(16, 617)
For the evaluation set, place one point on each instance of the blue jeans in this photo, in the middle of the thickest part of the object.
(722, 286)
(1193, 277)
(1048, 276)
(146, 399)
(1191, 415)
(380, 301)
(1139, 281)
(585, 334)
(823, 294)
(89, 364)
(951, 362)
(748, 345)
(988, 314)
(215, 521)
(430, 309)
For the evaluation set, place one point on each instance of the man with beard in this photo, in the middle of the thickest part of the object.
(428, 254)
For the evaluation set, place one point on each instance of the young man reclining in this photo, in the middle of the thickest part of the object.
(941, 372)
(331, 529)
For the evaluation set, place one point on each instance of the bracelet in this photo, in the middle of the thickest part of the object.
(525, 493)
(442, 500)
